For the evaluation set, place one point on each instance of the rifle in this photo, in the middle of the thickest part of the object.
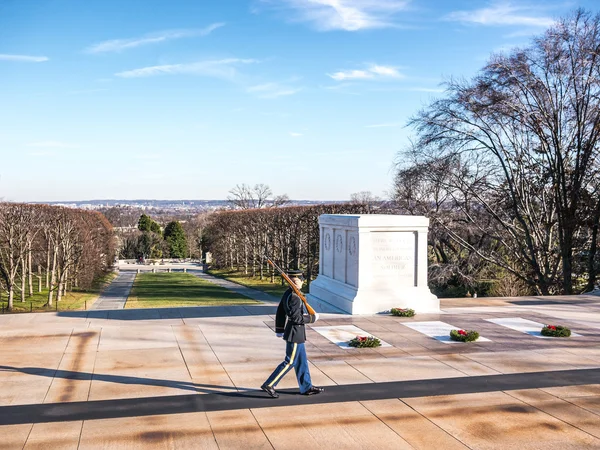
(311, 312)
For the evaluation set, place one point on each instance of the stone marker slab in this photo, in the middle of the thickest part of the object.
(439, 331)
(524, 326)
(341, 334)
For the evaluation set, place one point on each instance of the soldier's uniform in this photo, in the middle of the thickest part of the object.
(289, 323)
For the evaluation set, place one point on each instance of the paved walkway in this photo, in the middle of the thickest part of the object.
(188, 378)
(115, 295)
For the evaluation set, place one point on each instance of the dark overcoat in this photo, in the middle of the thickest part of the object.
(289, 319)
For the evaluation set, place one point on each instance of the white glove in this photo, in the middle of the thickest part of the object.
(279, 335)
(310, 319)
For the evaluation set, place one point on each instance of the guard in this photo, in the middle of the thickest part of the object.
(289, 324)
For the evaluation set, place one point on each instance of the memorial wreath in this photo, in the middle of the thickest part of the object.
(364, 341)
(464, 335)
(403, 312)
(555, 331)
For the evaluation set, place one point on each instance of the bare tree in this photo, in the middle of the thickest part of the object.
(524, 136)
(246, 197)
(365, 198)
(12, 245)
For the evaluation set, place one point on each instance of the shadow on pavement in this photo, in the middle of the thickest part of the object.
(183, 312)
(223, 401)
(120, 379)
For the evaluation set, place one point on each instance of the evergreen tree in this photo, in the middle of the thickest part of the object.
(144, 223)
(176, 240)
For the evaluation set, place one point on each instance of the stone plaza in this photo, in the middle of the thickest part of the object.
(189, 378)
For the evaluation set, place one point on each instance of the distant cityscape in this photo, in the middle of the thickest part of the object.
(168, 205)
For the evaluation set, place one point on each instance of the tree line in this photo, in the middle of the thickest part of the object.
(151, 241)
(243, 239)
(60, 247)
(507, 165)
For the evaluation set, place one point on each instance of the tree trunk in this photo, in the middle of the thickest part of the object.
(30, 271)
(66, 281)
(11, 295)
(23, 277)
(592, 267)
(245, 257)
(60, 288)
(52, 277)
(48, 266)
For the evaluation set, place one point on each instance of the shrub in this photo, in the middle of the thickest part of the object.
(556, 331)
(403, 312)
(464, 335)
(364, 341)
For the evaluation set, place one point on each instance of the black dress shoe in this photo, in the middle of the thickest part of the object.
(314, 390)
(269, 390)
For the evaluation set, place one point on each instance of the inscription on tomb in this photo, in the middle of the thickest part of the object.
(393, 257)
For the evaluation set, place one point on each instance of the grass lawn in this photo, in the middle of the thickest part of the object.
(159, 290)
(71, 301)
(275, 289)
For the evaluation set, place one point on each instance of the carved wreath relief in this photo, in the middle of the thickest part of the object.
(327, 241)
(352, 246)
(338, 243)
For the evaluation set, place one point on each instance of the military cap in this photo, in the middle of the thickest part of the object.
(295, 274)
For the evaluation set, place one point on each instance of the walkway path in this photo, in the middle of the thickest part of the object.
(115, 295)
(238, 288)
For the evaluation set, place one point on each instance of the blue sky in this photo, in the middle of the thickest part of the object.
(187, 98)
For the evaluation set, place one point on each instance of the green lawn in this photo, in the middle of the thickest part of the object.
(159, 290)
(275, 289)
(71, 301)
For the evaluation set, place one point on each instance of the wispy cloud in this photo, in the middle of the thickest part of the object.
(273, 90)
(349, 15)
(118, 45)
(502, 14)
(52, 144)
(375, 72)
(221, 68)
(23, 58)
(295, 135)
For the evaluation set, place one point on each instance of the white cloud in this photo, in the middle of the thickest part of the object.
(375, 72)
(222, 68)
(118, 45)
(349, 15)
(501, 14)
(272, 90)
(23, 58)
(52, 144)
(295, 135)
